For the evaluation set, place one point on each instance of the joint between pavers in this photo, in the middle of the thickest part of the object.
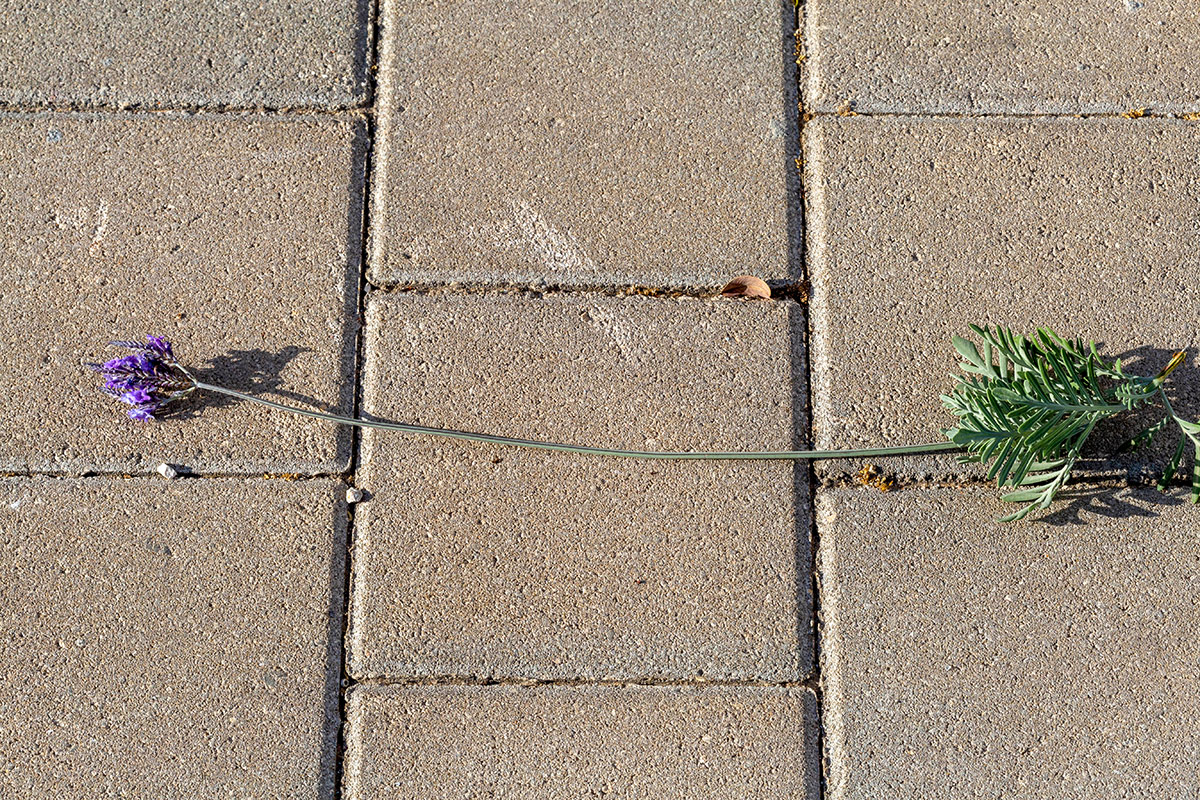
(794, 291)
(297, 477)
(901, 483)
(371, 126)
(473, 680)
(815, 679)
(1133, 115)
(184, 108)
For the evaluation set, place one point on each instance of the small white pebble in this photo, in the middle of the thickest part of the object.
(353, 495)
(167, 471)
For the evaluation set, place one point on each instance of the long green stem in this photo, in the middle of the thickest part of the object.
(593, 451)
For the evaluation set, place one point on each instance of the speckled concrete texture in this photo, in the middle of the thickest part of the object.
(962, 658)
(273, 53)
(169, 639)
(485, 560)
(919, 227)
(581, 741)
(238, 238)
(628, 143)
(1002, 56)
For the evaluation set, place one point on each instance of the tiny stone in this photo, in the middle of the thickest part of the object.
(353, 495)
(167, 471)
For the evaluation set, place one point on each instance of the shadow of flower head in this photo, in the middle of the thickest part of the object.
(256, 371)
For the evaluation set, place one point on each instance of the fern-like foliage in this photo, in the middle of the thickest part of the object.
(1026, 405)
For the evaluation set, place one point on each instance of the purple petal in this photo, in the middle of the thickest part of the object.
(137, 396)
(159, 345)
(140, 415)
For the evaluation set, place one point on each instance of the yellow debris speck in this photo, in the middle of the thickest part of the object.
(871, 475)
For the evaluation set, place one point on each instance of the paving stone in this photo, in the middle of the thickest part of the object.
(921, 227)
(963, 658)
(1003, 56)
(238, 238)
(581, 741)
(272, 53)
(651, 144)
(173, 639)
(486, 560)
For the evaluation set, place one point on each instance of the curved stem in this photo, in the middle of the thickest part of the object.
(594, 451)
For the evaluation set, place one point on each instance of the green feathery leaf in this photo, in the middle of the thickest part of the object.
(1027, 405)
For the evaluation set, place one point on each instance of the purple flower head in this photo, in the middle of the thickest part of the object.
(147, 379)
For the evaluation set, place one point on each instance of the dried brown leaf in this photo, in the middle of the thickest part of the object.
(747, 286)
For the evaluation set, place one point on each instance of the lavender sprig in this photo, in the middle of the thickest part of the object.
(147, 379)
(1026, 405)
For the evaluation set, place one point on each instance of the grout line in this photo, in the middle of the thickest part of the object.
(1132, 115)
(840, 480)
(814, 583)
(471, 680)
(371, 127)
(137, 109)
(181, 476)
(781, 290)
(896, 482)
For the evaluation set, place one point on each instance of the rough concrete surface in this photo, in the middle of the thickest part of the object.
(1002, 56)
(237, 238)
(485, 560)
(169, 639)
(642, 143)
(272, 53)
(962, 658)
(919, 227)
(581, 741)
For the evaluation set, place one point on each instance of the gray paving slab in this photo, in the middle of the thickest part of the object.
(272, 53)
(919, 227)
(170, 639)
(581, 741)
(644, 143)
(238, 238)
(484, 560)
(962, 658)
(1003, 56)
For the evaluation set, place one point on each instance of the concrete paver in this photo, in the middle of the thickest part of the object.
(919, 227)
(238, 238)
(272, 53)
(641, 143)
(962, 658)
(484, 560)
(169, 639)
(1002, 56)
(581, 741)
